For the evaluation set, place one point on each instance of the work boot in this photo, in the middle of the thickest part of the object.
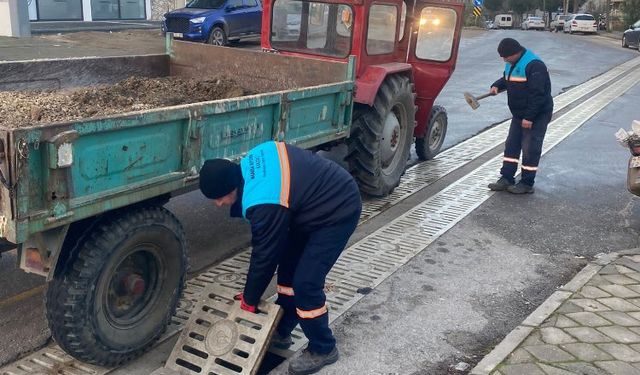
(520, 188)
(281, 342)
(310, 363)
(501, 185)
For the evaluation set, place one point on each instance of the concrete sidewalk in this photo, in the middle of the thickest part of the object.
(589, 326)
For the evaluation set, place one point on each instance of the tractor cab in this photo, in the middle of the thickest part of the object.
(402, 48)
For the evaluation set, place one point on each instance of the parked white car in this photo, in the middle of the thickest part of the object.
(558, 22)
(532, 23)
(581, 23)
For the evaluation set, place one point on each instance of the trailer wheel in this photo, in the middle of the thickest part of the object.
(114, 299)
(218, 37)
(381, 137)
(429, 146)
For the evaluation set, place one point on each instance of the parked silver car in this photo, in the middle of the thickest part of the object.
(558, 22)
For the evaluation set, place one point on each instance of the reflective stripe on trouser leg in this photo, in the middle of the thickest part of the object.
(286, 270)
(322, 251)
(512, 147)
(532, 140)
(312, 314)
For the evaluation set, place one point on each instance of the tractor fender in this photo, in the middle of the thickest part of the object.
(368, 84)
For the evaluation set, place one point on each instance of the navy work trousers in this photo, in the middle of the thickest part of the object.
(529, 141)
(301, 277)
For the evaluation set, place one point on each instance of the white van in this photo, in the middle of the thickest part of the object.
(503, 21)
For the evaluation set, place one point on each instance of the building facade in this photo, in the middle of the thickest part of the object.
(99, 10)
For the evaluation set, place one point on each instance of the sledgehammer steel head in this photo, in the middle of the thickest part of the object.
(471, 100)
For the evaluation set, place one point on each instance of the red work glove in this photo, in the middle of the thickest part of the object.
(243, 305)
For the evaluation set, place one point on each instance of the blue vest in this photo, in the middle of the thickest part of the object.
(519, 74)
(267, 176)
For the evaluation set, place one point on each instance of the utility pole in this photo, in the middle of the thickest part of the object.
(565, 6)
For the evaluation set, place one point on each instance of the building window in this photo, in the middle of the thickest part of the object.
(58, 10)
(117, 9)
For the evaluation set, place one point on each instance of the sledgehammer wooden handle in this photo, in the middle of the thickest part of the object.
(484, 95)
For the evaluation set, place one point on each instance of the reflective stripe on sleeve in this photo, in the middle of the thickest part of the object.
(285, 174)
(285, 290)
(311, 314)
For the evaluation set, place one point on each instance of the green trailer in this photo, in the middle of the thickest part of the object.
(83, 200)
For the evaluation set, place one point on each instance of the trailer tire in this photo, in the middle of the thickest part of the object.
(112, 301)
(381, 137)
(429, 146)
(218, 37)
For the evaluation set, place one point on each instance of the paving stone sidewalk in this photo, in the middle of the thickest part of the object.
(590, 326)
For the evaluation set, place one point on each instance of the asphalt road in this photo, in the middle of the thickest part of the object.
(516, 255)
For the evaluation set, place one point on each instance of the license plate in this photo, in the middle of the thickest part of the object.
(177, 35)
(634, 162)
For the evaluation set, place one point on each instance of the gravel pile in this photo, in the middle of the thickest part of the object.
(26, 108)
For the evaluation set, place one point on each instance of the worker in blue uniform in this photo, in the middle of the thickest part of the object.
(526, 79)
(302, 209)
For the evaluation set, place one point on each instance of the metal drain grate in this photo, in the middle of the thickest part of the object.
(51, 361)
(221, 338)
(342, 290)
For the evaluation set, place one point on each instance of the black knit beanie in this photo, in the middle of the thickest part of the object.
(219, 177)
(509, 47)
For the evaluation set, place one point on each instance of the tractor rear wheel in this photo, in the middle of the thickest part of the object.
(429, 146)
(118, 290)
(381, 137)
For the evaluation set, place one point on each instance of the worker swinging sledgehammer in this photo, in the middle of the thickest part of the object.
(302, 209)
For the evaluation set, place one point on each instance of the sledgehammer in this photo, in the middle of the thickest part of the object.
(473, 101)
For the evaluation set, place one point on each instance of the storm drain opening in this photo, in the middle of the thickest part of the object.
(51, 361)
(221, 338)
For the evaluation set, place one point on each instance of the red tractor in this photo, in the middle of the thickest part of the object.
(405, 53)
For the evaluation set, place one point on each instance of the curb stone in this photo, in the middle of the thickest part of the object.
(491, 361)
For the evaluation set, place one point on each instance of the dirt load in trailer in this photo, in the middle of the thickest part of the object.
(92, 148)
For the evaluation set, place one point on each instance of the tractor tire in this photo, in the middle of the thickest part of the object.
(429, 146)
(381, 137)
(218, 37)
(115, 296)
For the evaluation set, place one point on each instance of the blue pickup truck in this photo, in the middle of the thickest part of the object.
(215, 22)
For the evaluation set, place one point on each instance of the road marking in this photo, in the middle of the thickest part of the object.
(371, 260)
(22, 296)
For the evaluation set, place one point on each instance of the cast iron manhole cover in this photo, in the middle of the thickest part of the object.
(222, 337)
(227, 278)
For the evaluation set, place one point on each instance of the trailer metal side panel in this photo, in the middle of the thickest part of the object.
(120, 160)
